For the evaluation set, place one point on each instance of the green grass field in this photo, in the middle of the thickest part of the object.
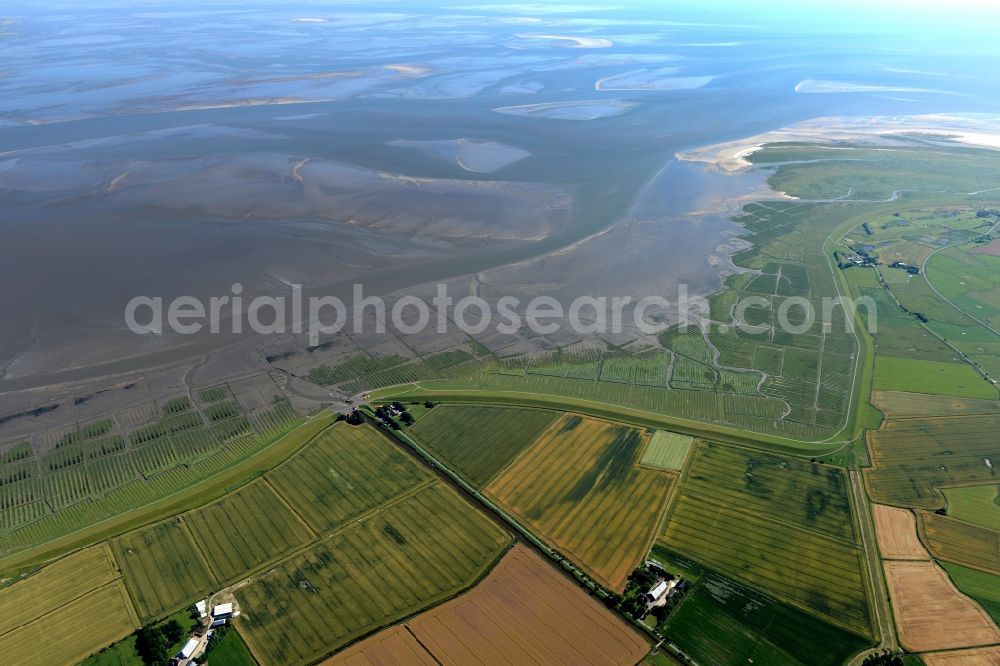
(722, 622)
(478, 442)
(933, 377)
(345, 472)
(163, 568)
(975, 504)
(231, 651)
(981, 586)
(419, 551)
(666, 450)
(123, 653)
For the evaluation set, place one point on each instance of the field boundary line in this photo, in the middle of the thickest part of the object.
(288, 505)
(510, 523)
(531, 445)
(917, 417)
(556, 418)
(934, 553)
(409, 630)
(675, 491)
(109, 583)
(265, 568)
(370, 513)
(133, 606)
(431, 604)
(923, 271)
(197, 548)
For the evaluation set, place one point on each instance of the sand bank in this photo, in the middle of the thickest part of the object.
(816, 86)
(567, 41)
(979, 130)
(585, 110)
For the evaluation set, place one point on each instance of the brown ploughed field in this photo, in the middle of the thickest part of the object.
(930, 613)
(524, 612)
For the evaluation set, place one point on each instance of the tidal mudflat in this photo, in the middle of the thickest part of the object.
(515, 146)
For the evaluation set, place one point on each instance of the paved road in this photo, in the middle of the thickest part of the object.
(880, 605)
(923, 270)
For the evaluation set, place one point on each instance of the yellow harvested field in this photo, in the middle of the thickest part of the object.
(896, 531)
(66, 611)
(524, 612)
(74, 631)
(901, 405)
(55, 585)
(963, 543)
(987, 656)
(579, 488)
(930, 613)
(395, 645)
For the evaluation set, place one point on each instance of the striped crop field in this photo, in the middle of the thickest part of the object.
(244, 530)
(55, 586)
(768, 537)
(478, 442)
(900, 405)
(66, 611)
(912, 458)
(162, 567)
(667, 450)
(579, 488)
(414, 553)
(801, 493)
(963, 543)
(72, 632)
(723, 622)
(343, 473)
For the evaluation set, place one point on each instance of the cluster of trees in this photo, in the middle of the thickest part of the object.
(912, 270)
(153, 642)
(632, 603)
(213, 641)
(884, 658)
(388, 414)
(385, 416)
(354, 418)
